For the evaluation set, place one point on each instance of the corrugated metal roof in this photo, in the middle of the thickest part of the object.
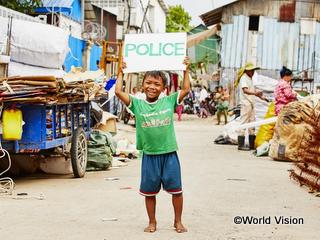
(222, 3)
(58, 3)
(214, 16)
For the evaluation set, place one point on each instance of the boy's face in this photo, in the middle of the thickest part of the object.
(152, 88)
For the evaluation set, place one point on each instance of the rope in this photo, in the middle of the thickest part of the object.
(6, 183)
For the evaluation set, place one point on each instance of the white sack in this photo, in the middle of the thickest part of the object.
(267, 86)
(20, 69)
(3, 34)
(36, 44)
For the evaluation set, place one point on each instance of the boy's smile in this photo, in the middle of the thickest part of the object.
(152, 88)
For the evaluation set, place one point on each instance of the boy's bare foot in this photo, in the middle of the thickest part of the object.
(179, 227)
(152, 227)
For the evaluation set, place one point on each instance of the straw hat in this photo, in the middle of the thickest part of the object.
(249, 66)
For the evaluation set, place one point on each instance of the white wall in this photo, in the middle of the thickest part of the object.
(155, 15)
(158, 22)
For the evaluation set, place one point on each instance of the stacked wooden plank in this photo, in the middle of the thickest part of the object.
(81, 86)
(28, 89)
(48, 89)
(78, 91)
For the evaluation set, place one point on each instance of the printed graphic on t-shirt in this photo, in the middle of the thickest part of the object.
(154, 119)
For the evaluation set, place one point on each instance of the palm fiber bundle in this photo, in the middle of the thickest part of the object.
(307, 170)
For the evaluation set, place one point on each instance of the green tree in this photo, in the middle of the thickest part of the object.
(178, 20)
(24, 6)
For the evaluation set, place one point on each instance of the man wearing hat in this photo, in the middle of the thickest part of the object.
(247, 94)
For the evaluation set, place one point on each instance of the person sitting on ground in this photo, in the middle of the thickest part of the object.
(284, 93)
(203, 109)
(156, 139)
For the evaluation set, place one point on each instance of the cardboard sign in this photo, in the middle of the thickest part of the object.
(147, 52)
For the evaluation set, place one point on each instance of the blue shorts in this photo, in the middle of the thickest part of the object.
(157, 170)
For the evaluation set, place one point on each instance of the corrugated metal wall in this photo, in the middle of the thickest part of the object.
(279, 44)
(234, 42)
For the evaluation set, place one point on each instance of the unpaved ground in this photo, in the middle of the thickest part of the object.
(219, 184)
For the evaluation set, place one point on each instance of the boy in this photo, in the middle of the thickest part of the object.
(156, 139)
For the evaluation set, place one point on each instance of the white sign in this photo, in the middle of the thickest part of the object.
(147, 52)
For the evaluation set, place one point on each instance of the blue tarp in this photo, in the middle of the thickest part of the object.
(74, 57)
(95, 56)
(70, 8)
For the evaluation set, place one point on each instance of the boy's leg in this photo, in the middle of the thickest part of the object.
(171, 178)
(177, 202)
(150, 186)
(151, 210)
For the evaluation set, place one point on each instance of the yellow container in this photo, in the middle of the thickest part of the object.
(12, 124)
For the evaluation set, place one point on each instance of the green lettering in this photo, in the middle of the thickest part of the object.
(164, 49)
(141, 47)
(177, 49)
(129, 47)
(151, 50)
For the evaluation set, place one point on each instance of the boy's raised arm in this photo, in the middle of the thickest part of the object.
(123, 96)
(186, 81)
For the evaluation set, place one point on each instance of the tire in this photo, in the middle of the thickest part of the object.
(79, 153)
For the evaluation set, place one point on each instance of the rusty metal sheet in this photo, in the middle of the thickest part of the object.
(287, 12)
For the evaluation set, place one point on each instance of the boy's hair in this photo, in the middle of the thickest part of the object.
(156, 75)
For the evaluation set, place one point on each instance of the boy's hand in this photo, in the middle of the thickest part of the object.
(123, 66)
(186, 81)
(186, 61)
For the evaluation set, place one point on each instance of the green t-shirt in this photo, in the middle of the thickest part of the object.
(154, 124)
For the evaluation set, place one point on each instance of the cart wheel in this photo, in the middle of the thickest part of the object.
(79, 153)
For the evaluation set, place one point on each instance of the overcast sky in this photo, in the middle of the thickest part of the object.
(194, 7)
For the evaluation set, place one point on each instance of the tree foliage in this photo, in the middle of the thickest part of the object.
(178, 20)
(23, 6)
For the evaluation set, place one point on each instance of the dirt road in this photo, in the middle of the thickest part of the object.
(219, 182)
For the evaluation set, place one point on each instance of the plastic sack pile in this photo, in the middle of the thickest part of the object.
(100, 151)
